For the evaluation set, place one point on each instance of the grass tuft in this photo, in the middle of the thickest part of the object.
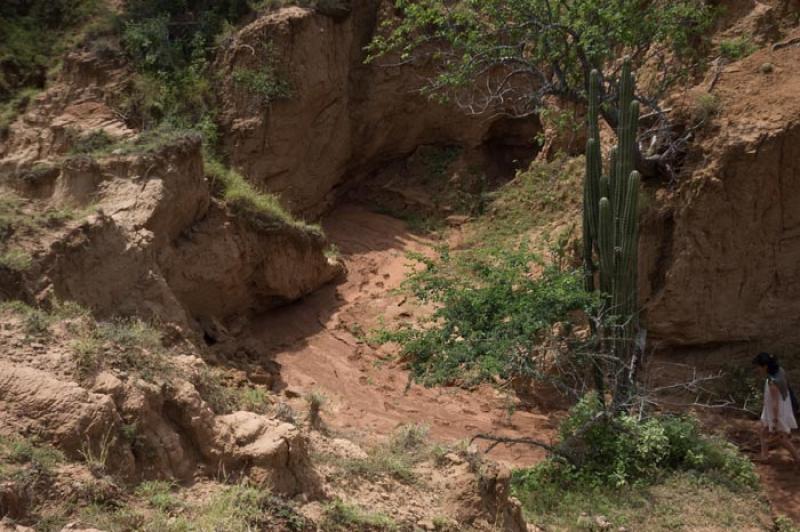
(262, 210)
(15, 260)
(343, 517)
(407, 447)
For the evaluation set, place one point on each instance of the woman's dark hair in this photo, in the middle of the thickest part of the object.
(765, 359)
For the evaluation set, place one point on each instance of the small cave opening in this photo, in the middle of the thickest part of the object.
(511, 144)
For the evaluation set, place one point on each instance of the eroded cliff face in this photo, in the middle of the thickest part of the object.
(342, 118)
(156, 244)
(721, 261)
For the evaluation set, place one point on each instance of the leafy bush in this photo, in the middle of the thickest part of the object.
(623, 450)
(265, 84)
(32, 35)
(169, 43)
(490, 314)
(737, 48)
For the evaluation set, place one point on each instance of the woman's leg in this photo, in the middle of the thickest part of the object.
(764, 442)
(786, 441)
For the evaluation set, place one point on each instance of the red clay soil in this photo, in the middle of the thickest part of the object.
(780, 477)
(321, 347)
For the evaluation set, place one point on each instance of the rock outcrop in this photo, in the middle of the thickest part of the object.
(342, 118)
(159, 246)
(721, 262)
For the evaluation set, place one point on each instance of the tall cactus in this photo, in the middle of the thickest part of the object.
(611, 227)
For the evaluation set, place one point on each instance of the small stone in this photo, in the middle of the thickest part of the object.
(426, 524)
(292, 393)
(453, 458)
(602, 522)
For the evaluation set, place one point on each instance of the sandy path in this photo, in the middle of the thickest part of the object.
(319, 345)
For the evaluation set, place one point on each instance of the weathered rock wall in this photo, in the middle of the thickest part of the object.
(721, 261)
(160, 246)
(342, 118)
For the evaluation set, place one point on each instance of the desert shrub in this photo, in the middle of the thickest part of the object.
(706, 106)
(316, 400)
(624, 449)
(736, 48)
(490, 314)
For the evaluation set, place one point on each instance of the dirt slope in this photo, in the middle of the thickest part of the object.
(317, 349)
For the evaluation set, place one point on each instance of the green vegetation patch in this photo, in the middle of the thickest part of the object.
(16, 451)
(628, 468)
(33, 34)
(266, 84)
(490, 313)
(15, 260)
(540, 195)
(262, 210)
(158, 506)
(343, 517)
(130, 344)
(680, 501)
(16, 216)
(737, 48)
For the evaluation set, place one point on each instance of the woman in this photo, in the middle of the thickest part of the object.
(777, 417)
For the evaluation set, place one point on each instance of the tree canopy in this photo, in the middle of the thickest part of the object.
(510, 55)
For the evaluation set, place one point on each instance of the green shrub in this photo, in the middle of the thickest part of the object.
(33, 34)
(490, 315)
(624, 449)
(736, 48)
(265, 84)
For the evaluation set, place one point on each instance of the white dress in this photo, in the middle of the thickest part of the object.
(785, 421)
